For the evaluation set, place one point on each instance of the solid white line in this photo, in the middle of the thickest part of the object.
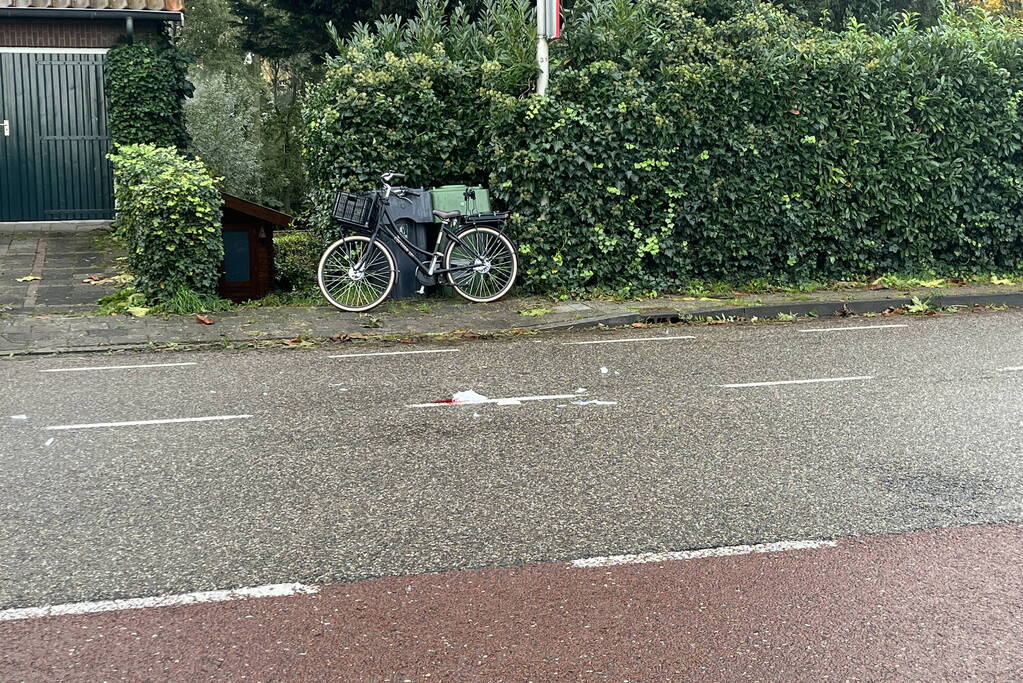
(780, 546)
(149, 422)
(1016, 369)
(119, 367)
(278, 590)
(393, 353)
(858, 327)
(794, 381)
(624, 341)
(504, 401)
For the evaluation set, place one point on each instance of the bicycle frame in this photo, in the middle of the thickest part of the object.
(391, 230)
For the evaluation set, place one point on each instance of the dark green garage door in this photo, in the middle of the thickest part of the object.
(53, 148)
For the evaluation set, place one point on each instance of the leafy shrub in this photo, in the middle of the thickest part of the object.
(146, 86)
(168, 214)
(296, 256)
(223, 119)
(713, 140)
(418, 113)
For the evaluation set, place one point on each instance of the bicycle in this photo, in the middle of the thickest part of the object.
(358, 272)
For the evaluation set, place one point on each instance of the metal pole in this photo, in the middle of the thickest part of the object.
(545, 66)
(542, 59)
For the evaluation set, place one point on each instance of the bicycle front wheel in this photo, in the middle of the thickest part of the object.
(355, 274)
(483, 264)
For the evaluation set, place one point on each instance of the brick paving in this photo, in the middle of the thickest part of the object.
(62, 256)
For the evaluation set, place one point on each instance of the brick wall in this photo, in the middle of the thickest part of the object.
(67, 32)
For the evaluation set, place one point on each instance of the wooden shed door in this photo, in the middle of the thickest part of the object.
(53, 164)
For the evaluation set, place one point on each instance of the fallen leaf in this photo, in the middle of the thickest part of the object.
(29, 278)
(96, 279)
(137, 311)
(341, 338)
(794, 111)
(204, 319)
(298, 342)
(877, 286)
(638, 324)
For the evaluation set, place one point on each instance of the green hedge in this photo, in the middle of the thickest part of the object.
(168, 214)
(296, 257)
(146, 87)
(705, 139)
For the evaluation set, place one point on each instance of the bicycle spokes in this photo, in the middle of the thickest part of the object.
(355, 274)
(484, 264)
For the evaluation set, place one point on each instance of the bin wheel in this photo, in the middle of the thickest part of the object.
(484, 264)
(356, 274)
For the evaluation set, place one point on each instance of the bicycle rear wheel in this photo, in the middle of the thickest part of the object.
(486, 264)
(356, 274)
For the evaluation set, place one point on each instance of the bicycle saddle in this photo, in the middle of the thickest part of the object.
(447, 215)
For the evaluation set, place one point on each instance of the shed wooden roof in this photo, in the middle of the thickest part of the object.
(258, 211)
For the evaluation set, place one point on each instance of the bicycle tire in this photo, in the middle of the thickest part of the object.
(499, 258)
(340, 286)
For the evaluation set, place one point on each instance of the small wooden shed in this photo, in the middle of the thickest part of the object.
(248, 248)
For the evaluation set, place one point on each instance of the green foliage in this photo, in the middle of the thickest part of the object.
(709, 140)
(223, 123)
(120, 301)
(876, 14)
(419, 113)
(279, 28)
(296, 256)
(146, 87)
(211, 36)
(185, 301)
(168, 214)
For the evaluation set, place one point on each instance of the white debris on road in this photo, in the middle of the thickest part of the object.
(469, 396)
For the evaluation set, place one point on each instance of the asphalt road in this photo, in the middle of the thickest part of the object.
(334, 478)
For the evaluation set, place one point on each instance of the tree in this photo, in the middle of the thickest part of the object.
(280, 28)
(211, 36)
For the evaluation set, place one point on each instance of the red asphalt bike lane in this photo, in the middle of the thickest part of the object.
(929, 605)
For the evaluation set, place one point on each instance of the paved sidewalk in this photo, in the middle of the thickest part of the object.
(44, 266)
(50, 333)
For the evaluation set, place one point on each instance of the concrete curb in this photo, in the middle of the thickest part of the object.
(804, 308)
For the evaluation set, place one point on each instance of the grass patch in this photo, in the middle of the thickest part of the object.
(535, 312)
(185, 301)
(302, 298)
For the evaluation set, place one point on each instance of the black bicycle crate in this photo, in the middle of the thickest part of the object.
(353, 209)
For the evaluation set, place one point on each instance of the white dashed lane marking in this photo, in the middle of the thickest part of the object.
(135, 423)
(850, 328)
(119, 367)
(795, 381)
(278, 590)
(780, 546)
(625, 341)
(393, 353)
